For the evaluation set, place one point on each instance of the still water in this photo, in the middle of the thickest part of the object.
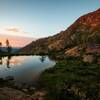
(24, 69)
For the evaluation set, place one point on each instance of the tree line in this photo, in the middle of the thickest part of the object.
(8, 46)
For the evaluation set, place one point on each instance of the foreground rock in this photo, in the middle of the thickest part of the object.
(39, 95)
(89, 58)
(13, 94)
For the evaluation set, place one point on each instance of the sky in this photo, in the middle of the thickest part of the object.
(41, 18)
(15, 41)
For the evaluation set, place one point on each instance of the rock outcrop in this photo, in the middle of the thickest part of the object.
(73, 52)
(89, 58)
(13, 94)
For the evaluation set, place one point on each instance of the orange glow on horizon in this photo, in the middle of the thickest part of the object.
(15, 41)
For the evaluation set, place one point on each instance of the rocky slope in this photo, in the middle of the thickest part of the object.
(84, 31)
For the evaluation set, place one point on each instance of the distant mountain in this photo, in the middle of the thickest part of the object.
(84, 31)
(15, 41)
(14, 49)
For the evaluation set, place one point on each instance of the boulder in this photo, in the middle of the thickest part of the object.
(39, 95)
(73, 52)
(89, 58)
(13, 94)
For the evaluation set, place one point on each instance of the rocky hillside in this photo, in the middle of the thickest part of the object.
(84, 31)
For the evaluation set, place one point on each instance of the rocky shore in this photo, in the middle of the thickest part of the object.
(14, 94)
(10, 91)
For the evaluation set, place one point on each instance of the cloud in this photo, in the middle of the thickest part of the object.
(13, 29)
(16, 31)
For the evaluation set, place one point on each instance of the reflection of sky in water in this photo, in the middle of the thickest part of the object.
(24, 69)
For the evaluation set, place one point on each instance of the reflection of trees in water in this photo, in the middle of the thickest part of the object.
(53, 57)
(0, 60)
(42, 58)
(8, 61)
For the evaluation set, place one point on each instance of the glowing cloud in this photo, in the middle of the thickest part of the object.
(15, 41)
(13, 29)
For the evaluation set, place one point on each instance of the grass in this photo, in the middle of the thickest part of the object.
(71, 80)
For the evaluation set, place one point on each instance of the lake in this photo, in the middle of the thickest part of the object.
(24, 69)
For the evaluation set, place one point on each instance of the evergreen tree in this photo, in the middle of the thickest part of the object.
(9, 48)
(0, 46)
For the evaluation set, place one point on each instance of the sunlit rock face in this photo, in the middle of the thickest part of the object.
(93, 49)
(73, 52)
(89, 58)
(91, 19)
(56, 46)
(84, 31)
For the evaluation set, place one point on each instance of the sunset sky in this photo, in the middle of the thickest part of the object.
(15, 41)
(22, 20)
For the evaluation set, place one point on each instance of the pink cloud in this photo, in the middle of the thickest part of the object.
(16, 41)
(13, 29)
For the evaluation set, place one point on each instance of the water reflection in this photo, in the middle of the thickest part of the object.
(0, 60)
(42, 58)
(8, 61)
(24, 69)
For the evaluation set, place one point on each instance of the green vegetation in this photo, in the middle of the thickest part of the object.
(72, 80)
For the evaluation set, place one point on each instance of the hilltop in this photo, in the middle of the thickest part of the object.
(85, 31)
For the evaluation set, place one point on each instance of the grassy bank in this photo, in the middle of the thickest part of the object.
(72, 80)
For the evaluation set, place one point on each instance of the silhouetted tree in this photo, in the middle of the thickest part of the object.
(9, 48)
(7, 43)
(0, 46)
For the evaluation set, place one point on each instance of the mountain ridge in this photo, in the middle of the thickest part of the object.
(85, 30)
